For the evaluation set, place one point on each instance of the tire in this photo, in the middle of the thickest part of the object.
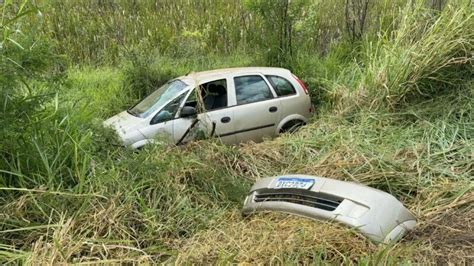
(292, 126)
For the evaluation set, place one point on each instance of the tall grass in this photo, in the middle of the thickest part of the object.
(69, 193)
(179, 28)
(426, 54)
(186, 28)
(181, 203)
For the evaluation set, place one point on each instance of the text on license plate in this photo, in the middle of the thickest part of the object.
(294, 182)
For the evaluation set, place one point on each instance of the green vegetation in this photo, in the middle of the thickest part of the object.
(394, 94)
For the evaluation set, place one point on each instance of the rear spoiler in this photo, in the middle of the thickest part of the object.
(376, 214)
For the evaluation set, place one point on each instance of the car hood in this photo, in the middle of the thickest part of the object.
(123, 122)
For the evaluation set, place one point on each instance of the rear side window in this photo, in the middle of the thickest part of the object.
(250, 89)
(281, 85)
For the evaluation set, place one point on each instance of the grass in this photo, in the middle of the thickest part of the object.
(395, 113)
(398, 66)
(181, 204)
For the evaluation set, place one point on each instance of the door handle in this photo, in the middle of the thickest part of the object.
(273, 109)
(225, 119)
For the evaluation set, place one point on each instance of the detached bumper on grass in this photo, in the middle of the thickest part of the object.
(376, 214)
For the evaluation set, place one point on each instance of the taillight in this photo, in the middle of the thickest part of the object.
(301, 83)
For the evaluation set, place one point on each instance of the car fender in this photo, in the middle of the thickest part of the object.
(287, 119)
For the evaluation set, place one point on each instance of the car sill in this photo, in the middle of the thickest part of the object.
(245, 130)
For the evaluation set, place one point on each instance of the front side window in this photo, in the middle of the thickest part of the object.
(249, 89)
(213, 95)
(158, 98)
(282, 86)
(169, 111)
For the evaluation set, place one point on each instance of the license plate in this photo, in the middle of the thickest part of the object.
(294, 182)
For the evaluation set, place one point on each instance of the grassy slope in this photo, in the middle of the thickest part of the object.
(399, 119)
(182, 203)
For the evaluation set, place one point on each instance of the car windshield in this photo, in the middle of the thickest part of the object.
(158, 98)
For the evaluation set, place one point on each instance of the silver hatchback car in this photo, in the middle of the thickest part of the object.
(235, 105)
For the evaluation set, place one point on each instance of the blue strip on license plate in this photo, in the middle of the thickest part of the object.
(294, 182)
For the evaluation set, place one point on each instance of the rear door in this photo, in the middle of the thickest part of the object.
(257, 110)
(290, 99)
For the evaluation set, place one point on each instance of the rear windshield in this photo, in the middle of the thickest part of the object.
(158, 98)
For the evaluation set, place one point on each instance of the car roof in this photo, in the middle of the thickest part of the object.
(194, 77)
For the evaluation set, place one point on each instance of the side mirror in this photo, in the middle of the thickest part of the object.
(188, 111)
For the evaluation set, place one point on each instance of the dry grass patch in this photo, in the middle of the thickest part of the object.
(447, 237)
(274, 238)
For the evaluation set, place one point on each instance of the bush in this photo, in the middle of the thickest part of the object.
(143, 74)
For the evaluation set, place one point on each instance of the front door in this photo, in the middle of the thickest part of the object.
(215, 118)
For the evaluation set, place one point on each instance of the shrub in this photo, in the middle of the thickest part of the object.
(143, 74)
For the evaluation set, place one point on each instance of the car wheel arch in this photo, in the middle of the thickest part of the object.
(289, 122)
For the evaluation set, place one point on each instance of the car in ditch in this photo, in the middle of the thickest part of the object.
(234, 104)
